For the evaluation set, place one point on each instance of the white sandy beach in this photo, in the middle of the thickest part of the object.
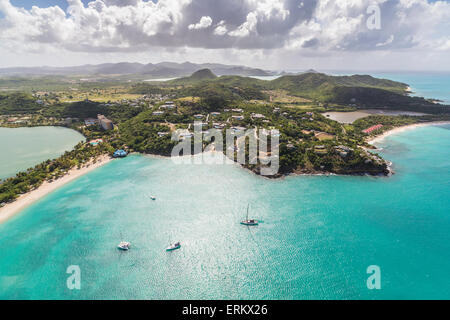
(404, 128)
(26, 199)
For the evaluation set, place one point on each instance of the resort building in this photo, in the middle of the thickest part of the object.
(320, 149)
(217, 125)
(104, 122)
(120, 154)
(272, 132)
(162, 134)
(290, 146)
(343, 151)
(237, 110)
(198, 116)
(215, 114)
(183, 134)
(90, 122)
(158, 113)
(373, 128)
(167, 106)
(240, 118)
(237, 129)
(95, 142)
(258, 116)
(69, 120)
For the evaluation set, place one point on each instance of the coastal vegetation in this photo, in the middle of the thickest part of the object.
(146, 115)
(50, 170)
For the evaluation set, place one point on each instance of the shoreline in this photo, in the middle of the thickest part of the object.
(25, 200)
(380, 137)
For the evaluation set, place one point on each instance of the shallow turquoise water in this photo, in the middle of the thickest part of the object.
(318, 237)
(23, 148)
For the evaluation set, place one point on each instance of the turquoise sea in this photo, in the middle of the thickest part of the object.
(23, 148)
(319, 234)
(430, 85)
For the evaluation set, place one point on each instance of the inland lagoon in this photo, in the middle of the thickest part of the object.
(23, 148)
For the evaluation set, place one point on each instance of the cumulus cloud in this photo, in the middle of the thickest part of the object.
(137, 25)
(247, 27)
(204, 23)
(220, 29)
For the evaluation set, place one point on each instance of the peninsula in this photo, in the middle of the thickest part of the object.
(139, 116)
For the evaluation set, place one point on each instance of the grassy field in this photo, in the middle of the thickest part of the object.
(102, 98)
(98, 95)
(189, 99)
(322, 136)
(282, 96)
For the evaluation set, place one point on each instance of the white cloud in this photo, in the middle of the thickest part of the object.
(220, 29)
(204, 23)
(388, 41)
(283, 26)
(246, 28)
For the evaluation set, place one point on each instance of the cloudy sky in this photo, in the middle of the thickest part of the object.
(270, 34)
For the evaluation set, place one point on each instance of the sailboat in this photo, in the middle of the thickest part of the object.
(123, 245)
(175, 246)
(249, 222)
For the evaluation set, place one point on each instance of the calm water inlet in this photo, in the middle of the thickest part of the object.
(23, 148)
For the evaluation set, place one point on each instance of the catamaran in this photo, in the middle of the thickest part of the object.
(123, 245)
(249, 222)
(175, 246)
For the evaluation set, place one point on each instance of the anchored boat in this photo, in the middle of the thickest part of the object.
(124, 245)
(175, 246)
(249, 222)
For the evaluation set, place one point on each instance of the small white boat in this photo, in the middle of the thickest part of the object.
(175, 246)
(249, 222)
(153, 197)
(124, 245)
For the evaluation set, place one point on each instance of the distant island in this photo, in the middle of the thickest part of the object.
(139, 116)
(135, 70)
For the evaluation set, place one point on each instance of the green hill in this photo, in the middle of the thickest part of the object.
(203, 74)
(321, 87)
(18, 103)
(362, 91)
(197, 76)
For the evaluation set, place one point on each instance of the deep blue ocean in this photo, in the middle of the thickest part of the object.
(318, 236)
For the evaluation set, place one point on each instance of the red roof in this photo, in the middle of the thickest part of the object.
(373, 128)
